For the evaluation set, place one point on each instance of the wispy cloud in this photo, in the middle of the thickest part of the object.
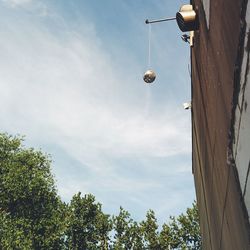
(72, 87)
(15, 3)
(63, 88)
(36, 7)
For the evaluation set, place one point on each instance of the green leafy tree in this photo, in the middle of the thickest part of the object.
(104, 227)
(182, 232)
(88, 227)
(170, 235)
(150, 231)
(136, 236)
(14, 232)
(121, 227)
(32, 215)
(31, 211)
(165, 237)
(189, 228)
(128, 234)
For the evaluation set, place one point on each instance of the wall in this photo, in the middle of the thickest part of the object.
(216, 60)
(241, 126)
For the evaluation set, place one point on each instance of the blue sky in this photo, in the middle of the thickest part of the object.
(71, 82)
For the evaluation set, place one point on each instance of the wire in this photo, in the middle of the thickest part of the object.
(149, 45)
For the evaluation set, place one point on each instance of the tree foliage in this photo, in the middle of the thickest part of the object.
(88, 227)
(150, 231)
(128, 234)
(182, 232)
(30, 207)
(32, 215)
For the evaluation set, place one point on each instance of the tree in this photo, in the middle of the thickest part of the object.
(189, 227)
(31, 211)
(165, 237)
(104, 227)
(32, 215)
(13, 232)
(128, 234)
(149, 228)
(182, 232)
(88, 227)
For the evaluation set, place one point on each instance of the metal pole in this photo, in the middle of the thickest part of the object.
(160, 20)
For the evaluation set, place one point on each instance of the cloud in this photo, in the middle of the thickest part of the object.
(61, 87)
(15, 3)
(33, 7)
(70, 88)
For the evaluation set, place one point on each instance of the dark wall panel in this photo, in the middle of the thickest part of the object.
(213, 58)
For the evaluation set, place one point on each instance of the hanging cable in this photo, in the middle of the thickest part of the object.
(149, 45)
(149, 75)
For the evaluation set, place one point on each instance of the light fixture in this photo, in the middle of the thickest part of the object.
(185, 38)
(187, 20)
(187, 105)
(149, 76)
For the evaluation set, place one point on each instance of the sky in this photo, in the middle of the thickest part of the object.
(71, 82)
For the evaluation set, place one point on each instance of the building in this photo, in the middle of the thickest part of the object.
(221, 122)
